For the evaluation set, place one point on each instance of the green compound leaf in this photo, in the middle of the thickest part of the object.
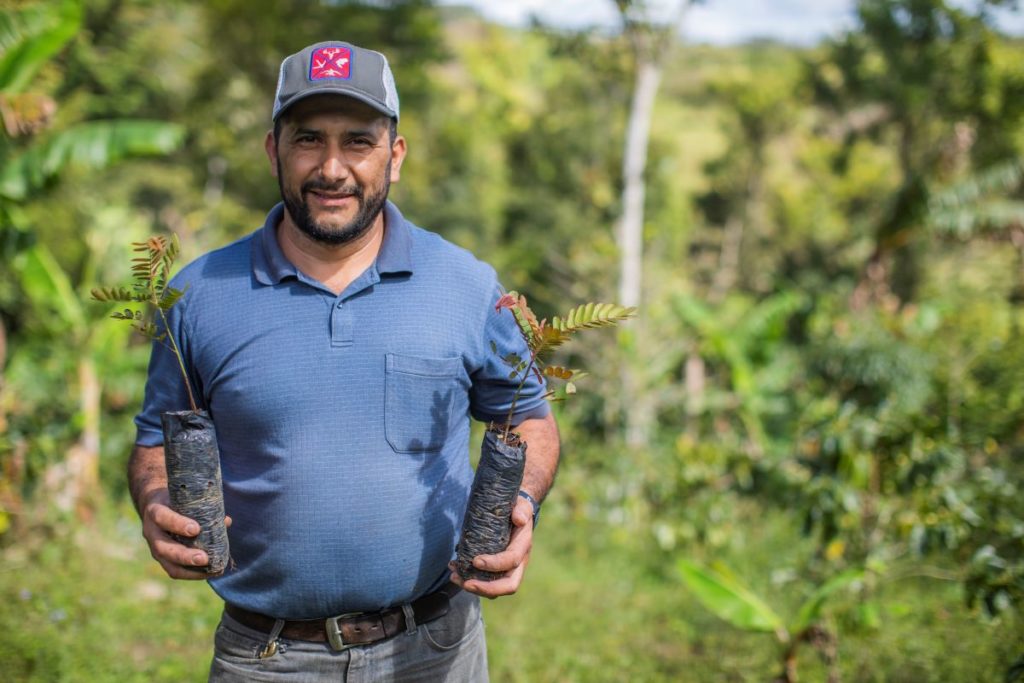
(113, 294)
(148, 330)
(592, 315)
(513, 360)
(170, 297)
(524, 325)
(551, 338)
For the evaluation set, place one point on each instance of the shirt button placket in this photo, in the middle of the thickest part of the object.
(341, 325)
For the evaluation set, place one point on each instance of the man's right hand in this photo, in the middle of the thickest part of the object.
(147, 482)
(159, 522)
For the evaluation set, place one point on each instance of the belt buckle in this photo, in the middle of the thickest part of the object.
(334, 631)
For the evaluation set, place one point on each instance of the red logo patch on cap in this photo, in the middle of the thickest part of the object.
(330, 62)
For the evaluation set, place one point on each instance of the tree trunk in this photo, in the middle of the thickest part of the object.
(3, 359)
(74, 483)
(651, 43)
(10, 472)
(3, 345)
(728, 261)
(648, 76)
(631, 228)
(694, 379)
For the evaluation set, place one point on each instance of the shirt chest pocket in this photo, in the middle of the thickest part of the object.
(420, 394)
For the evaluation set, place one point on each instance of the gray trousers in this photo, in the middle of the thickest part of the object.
(450, 649)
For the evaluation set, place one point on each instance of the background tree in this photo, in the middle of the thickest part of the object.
(921, 75)
(794, 442)
(42, 143)
(651, 42)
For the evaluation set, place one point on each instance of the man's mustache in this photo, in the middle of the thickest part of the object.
(321, 186)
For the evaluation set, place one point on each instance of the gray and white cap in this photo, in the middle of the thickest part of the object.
(338, 68)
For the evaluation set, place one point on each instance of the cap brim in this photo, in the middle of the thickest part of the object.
(336, 90)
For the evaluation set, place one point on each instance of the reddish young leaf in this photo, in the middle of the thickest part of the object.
(506, 301)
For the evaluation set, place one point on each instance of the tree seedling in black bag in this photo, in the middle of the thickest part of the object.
(190, 442)
(487, 526)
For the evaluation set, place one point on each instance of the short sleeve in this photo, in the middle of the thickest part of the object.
(165, 387)
(493, 390)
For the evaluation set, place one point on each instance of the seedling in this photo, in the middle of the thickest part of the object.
(190, 442)
(486, 528)
(152, 274)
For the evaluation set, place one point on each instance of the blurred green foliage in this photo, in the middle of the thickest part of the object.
(830, 343)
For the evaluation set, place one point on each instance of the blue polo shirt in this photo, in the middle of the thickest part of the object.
(342, 420)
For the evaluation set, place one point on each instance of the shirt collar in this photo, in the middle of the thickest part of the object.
(270, 266)
(395, 255)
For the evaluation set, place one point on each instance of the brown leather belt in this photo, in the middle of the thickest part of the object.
(357, 628)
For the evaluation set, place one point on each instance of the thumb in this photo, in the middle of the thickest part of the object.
(522, 514)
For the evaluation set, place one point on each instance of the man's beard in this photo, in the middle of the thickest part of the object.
(369, 208)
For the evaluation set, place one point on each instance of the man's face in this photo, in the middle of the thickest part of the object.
(334, 162)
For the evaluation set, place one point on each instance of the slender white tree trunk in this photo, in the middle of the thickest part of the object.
(631, 226)
(90, 399)
(3, 359)
(639, 412)
(74, 483)
(694, 379)
(651, 42)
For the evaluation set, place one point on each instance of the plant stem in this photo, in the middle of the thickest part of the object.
(519, 390)
(177, 357)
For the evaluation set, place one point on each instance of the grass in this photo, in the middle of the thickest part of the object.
(598, 605)
(92, 606)
(597, 608)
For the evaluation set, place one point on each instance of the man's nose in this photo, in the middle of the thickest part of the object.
(334, 167)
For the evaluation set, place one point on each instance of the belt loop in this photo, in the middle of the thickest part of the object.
(410, 619)
(271, 647)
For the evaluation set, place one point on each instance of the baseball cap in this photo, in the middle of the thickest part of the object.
(339, 68)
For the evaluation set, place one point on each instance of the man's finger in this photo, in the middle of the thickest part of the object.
(170, 521)
(455, 578)
(502, 562)
(522, 513)
(167, 549)
(506, 585)
(178, 561)
(176, 571)
(518, 550)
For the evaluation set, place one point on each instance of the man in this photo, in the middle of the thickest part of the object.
(341, 351)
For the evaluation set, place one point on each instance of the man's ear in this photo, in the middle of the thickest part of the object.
(270, 145)
(397, 156)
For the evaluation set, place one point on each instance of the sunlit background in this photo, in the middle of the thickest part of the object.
(801, 461)
(726, 22)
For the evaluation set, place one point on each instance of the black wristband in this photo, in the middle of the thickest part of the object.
(534, 503)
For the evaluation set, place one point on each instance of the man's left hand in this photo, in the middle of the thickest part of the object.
(511, 563)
